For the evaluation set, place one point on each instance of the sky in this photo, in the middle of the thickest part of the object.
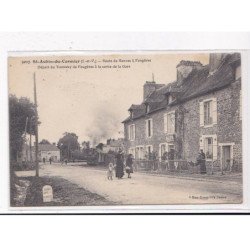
(91, 102)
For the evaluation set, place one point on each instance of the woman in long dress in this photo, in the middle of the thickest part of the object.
(119, 172)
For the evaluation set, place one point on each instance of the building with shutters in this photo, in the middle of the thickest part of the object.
(200, 110)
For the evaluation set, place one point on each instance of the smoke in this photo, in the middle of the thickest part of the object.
(106, 124)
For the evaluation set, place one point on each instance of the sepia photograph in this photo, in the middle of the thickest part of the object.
(137, 128)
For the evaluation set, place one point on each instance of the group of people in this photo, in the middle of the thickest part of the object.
(120, 165)
(50, 160)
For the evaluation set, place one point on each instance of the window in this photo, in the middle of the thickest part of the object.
(240, 105)
(131, 132)
(139, 153)
(208, 112)
(149, 127)
(169, 123)
(209, 148)
(163, 149)
(208, 143)
(238, 73)
(170, 99)
(149, 149)
(132, 151)
(147, 108)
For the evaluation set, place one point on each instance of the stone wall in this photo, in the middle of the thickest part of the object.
(228, 128)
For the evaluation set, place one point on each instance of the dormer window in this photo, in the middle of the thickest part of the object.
(238, 72)
(170, 99)
(131, 114)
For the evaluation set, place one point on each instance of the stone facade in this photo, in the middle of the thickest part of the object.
(221, 140)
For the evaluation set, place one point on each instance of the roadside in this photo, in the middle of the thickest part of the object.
(88, 185)
(215, 177)
(65, 193)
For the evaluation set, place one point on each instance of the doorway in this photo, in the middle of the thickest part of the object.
(226, 159)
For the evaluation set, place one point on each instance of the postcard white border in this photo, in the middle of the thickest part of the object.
(84, 43)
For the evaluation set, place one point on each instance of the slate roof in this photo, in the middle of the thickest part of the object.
(198, 83)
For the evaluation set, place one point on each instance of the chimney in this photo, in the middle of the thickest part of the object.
(148, 88)
(185, 68)
(215, 60)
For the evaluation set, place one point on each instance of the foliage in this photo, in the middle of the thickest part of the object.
(100, 146)
(67, 144)
(86, 144)
(20, 110)
(44, 141)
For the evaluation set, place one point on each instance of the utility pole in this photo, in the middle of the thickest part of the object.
(36, 129)
(25, 141)
(30, 139)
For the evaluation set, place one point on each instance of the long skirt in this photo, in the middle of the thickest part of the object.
(119, 171)
(203, 167)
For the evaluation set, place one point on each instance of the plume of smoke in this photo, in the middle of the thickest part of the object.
(105, 124)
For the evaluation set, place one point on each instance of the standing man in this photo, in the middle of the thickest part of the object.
(203, 162)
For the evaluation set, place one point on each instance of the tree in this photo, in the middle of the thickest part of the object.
(44, 141)
(67, 144)
(21, 120)
(100, 146)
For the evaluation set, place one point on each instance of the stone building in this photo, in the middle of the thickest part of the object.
(200, 110)
(45, 151)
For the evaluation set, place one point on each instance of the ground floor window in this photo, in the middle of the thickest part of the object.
(163, 150)
(209, 148)
(208, 143)
(132, 151)
(166, 151)
(139, 153)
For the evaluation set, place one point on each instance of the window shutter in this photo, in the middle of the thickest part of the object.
(134, 132)
(174, 121)
(146, 130)
(215, 148)
(201, 114)
(214, 111)
(240, 105)
(165, 123)
(151, 127)
(201, 143)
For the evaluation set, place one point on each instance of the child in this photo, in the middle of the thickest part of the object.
(110, 171)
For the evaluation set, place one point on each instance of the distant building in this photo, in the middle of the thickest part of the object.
(45, 151)
(200, 110)
(48, 151)
(114, 145)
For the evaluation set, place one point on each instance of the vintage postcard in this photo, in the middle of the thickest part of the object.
(109, 129)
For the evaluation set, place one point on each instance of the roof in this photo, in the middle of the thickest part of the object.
(47, 147)
(198, 83)
(189, 63)
(116, 143)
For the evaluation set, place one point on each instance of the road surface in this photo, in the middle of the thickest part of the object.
(145, 188)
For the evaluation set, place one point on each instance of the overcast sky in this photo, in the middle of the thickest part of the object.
(90, 102)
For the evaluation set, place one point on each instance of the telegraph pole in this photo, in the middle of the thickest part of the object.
(30, 139)
(25, 141)
(36, 129)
